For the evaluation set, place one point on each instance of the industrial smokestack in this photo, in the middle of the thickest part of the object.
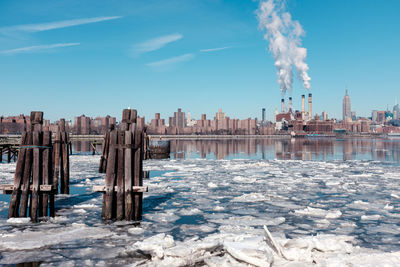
(283, 105)
(290, 104)
(310, 105)
(303, 97)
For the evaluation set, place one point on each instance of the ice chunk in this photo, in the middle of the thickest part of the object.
(370, 217)
(155, 245)
(19, 220)
(212, 185)
(190, 211)
(245, 180)
(218, 208)
(251, 197)
(165, 217)
(250, 251)
(333, 215)
(86, 206)
(388, 207)
(395, 196)
(136, 230)
(33, 239)
(316, 212)
(81, 211)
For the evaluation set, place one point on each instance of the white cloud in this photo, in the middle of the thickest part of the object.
(171, 61)
(36, 48)
(54, 25)
(156, 43)
(215, 49)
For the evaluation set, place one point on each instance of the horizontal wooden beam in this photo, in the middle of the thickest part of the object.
(136, 189)
(8, 188)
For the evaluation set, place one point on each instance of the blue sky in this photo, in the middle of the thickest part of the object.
(69, 57)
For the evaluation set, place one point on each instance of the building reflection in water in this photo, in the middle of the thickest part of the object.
(84, 147)
(289, 149)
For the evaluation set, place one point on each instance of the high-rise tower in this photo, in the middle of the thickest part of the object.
(263, 115)
(346, 107)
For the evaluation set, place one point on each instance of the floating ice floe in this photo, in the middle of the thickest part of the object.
(251, 197)
(316, 212)
(136, 230)
(218, 208)
(190, 211)
(395, 196)
(19, 220)
(36, 239)
(388, 207)
(86, 206)
(370, 217)
(212, 185)
(165, 217)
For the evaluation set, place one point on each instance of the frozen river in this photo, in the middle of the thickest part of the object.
(326, 202)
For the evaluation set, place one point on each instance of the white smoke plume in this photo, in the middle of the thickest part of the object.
(284, 37)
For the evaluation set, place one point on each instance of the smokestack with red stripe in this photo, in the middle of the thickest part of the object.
(310, 105)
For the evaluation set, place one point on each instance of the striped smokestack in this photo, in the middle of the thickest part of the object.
(310, 105)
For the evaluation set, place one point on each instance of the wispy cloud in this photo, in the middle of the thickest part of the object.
(54, 25)
(156, 43)
(215, 49)
(170, 62)
(36, 48)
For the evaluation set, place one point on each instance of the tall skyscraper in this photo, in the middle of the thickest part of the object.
(178, 120)
(346, 106)
(263, 114)
(220, 115)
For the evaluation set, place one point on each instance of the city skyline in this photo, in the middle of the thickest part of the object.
(286, 105)
(74, 58)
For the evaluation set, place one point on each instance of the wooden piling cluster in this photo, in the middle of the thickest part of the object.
(61, 152)
(122, 161)
(32, 190)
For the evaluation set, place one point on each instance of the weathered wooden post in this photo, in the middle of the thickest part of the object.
(93, 147)
(61, 158)
(56, 159)
(138, 175)
(47, 171)
(33, 174)
(9, 154)
(104, 150)
(121, 160)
